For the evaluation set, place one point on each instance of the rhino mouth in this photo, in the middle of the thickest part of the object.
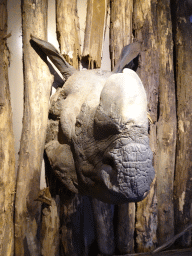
(129, 171)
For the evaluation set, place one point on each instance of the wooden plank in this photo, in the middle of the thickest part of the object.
(145, 31)
(120, 28)
(166, 126)
(183, 173)
(68, 34)
(121, 35)
(37, 81)
(7, 152)
(94, 31)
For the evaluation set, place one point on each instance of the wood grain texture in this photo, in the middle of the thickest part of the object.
(68, 33)
(166, 126)
(145, 31)
(94, 31)
(37, 85)
(7, 152)
(183, 174)
(120, 28)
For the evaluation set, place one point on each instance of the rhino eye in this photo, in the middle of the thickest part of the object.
(104, 126)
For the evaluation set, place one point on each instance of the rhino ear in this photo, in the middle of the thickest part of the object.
(57, 59)
(128, 53)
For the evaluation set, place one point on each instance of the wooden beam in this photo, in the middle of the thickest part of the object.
(37, 85)
(183, 173)
(7, 152)
(166, 126)
(68, 31)
(94, 31)
(145, 31)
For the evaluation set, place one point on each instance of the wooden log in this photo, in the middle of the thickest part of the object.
(68, 33)
(125, 228)
(121, 27)
(71, 217)
(50, 223)
(166, 126)
(121, 35)
(145, 31)
(183, 174)
(94, 31)
(37, 81)
(7, 152)
(103, 216)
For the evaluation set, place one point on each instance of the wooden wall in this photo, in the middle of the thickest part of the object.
(164, 30)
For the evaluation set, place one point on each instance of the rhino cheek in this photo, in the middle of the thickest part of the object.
(133, 165)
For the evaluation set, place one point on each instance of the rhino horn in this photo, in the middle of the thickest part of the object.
(128, 53)
(49, 50)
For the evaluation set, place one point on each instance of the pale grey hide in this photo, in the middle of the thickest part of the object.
(97, 137)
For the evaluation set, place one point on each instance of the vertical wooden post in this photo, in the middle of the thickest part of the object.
(68, 31)
(7, 153)
(166, 126)
(37, 85)
(145, 31)
(121, 27)
(183, 175)
(121, 35)
(94, 31)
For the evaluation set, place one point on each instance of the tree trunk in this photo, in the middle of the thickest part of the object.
(68, 31)
(183, 175)
(121, 27)
(7, 153)
(121, 35)
(166, 126)
(94, 31)
(145, 31)
(37, 80)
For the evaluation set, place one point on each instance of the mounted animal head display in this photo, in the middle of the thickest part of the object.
(97, 136)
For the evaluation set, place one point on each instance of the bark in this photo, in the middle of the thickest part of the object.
(145, 31)
(37, 85)
(68, 31)
(94, 31)
(121, 35)
(121, 27)
(166, 127)
(183, 175)
(7, 153)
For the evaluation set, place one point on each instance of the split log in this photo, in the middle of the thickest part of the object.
(121, 27)
(183, 175)
(7, 152)
(166, 126)
(68, 33)
(121, 35)
(145, 31)
(94, 31)
(38, 81)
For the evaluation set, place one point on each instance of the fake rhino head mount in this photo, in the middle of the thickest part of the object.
(97, 137)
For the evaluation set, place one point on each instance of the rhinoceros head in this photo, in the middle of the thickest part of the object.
(97, 137)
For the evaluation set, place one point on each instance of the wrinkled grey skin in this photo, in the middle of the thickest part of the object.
(97, 138)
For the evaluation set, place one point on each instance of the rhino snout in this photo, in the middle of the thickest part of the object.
(132, 166)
